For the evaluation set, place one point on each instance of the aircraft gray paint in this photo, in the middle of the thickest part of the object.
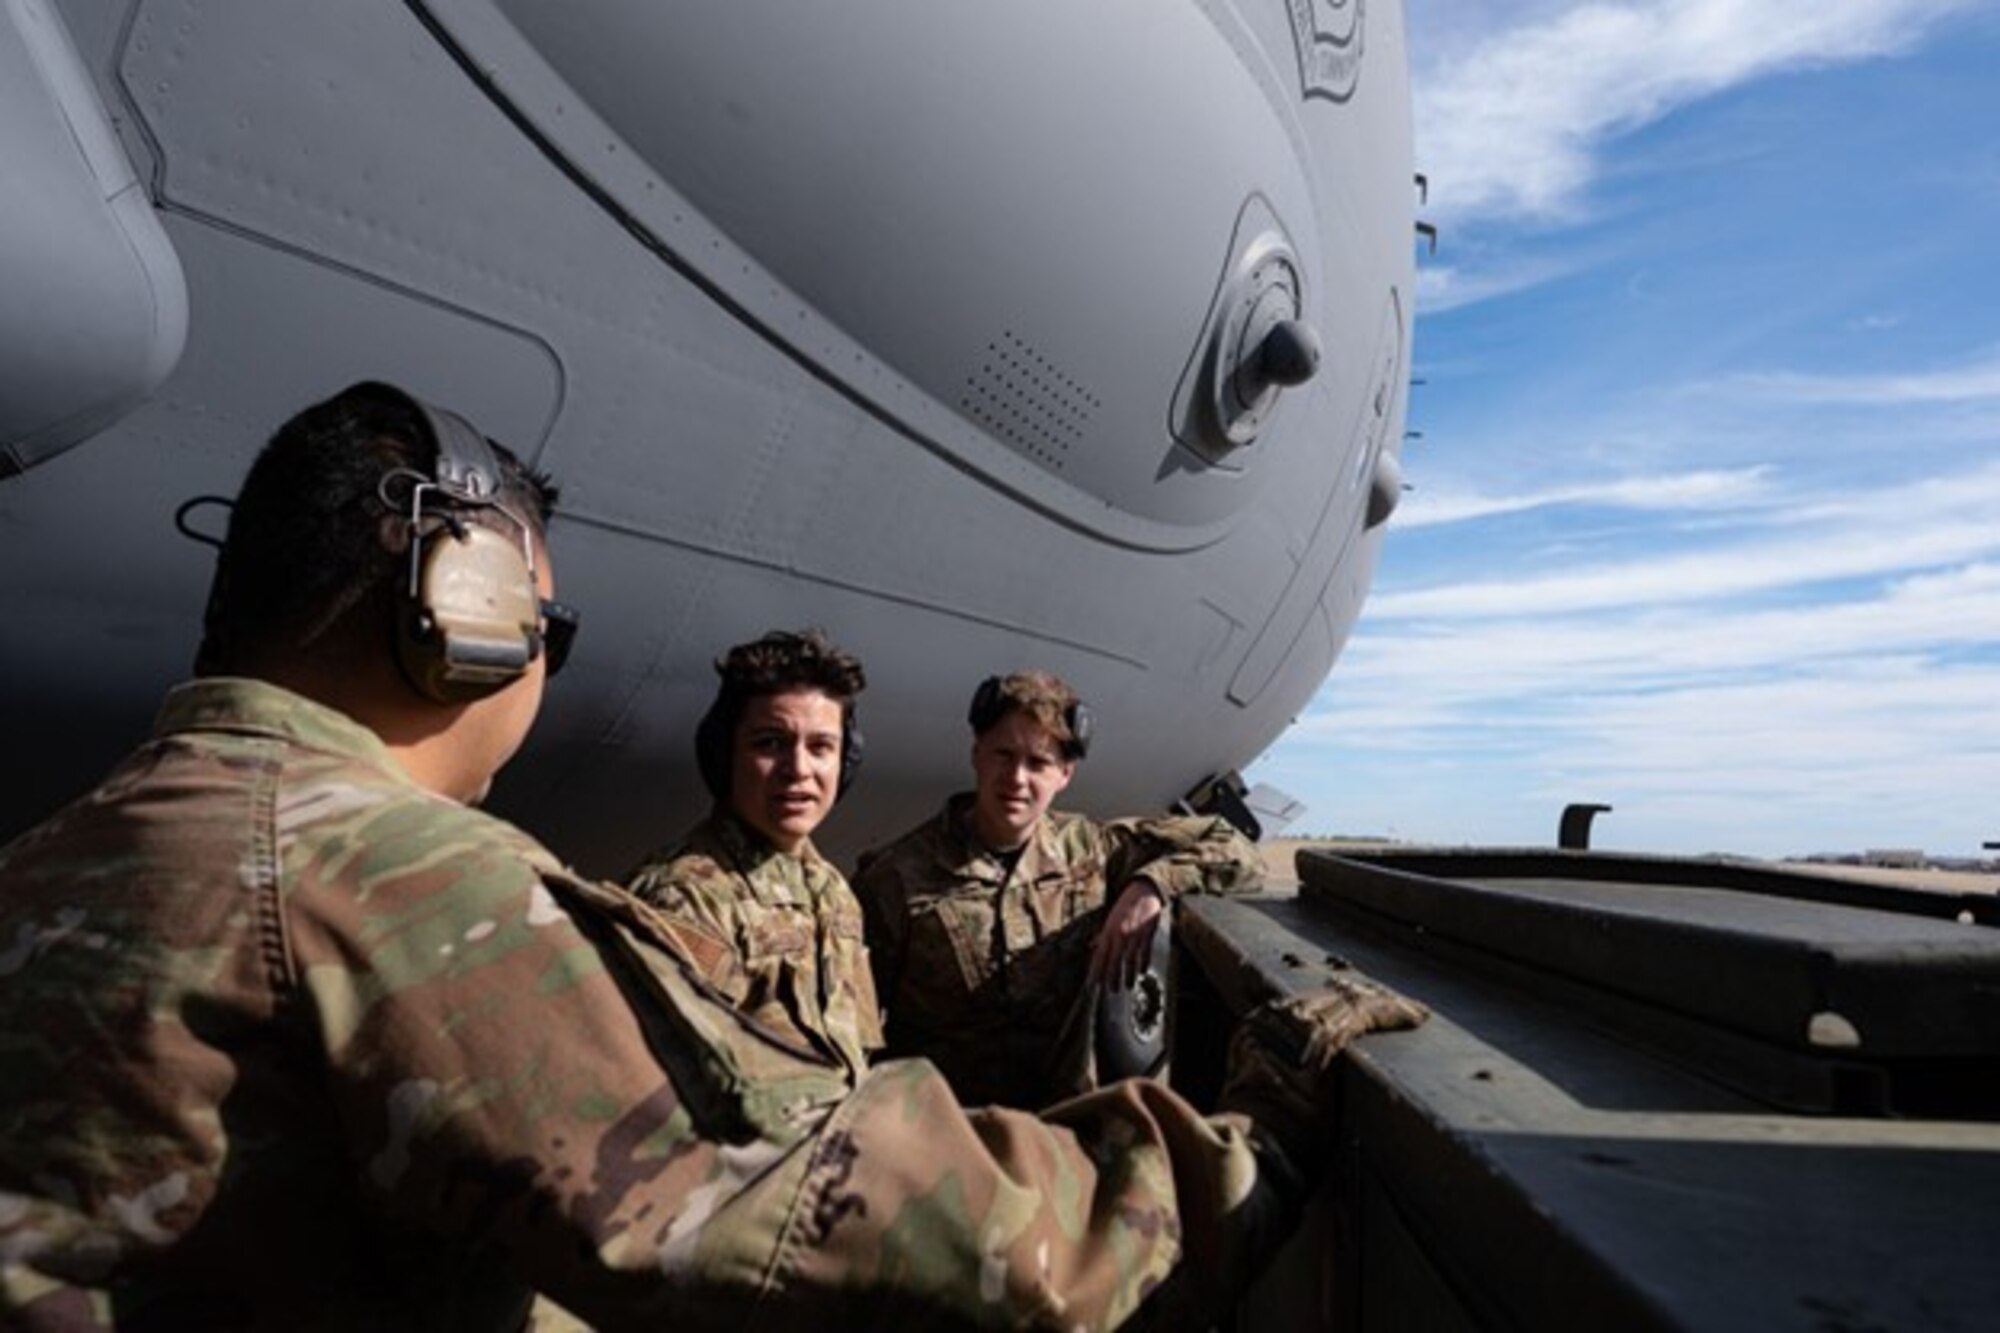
(937, 325)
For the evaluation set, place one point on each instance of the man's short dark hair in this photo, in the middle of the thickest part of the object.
(787, 660)
(782, 660)
(304, 564)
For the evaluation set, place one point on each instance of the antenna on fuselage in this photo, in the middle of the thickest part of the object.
(1427, 230)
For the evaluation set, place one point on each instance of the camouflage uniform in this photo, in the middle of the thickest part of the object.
(288, 1042)
(983, 968)
(796, 961)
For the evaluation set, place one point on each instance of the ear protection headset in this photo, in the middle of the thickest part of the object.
(470, 616)
(715, 745)
(988, 706)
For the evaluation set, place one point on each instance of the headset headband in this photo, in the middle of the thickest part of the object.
(464, 471)
(464, 467)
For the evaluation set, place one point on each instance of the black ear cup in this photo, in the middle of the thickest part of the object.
(1080, 724)
(711, 750)
(852, 746)
(984, 710)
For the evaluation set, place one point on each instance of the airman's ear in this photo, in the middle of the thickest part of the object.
(393, 531)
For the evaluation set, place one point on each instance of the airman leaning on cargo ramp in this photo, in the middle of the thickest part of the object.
(296, 1038)
(994, 925)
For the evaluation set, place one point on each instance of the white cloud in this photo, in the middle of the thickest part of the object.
(1926, 524)
(1705, 491)
(1867, 722)
(1874, 752)
(1978, 381)
(1391, 669)
(1511, 126)
(1442, 287)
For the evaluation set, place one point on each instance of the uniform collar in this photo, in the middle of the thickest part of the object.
(259, 708)
(1039, 855)
(749, 849)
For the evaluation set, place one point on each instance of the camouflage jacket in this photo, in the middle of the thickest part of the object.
(982, 969)
(287, 1042)
(795, 960)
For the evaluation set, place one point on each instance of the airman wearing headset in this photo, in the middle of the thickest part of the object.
(776, 749)
(993, 926)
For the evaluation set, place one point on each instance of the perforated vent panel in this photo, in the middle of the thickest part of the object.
(1020, 396)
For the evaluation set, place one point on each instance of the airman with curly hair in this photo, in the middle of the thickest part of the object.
(776, 749)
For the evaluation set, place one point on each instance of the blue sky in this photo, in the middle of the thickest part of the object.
(1706, 512)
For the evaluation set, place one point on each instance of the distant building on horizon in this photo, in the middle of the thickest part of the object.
(1895, 858)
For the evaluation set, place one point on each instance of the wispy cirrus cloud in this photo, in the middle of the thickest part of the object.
(1704, 576)
(1930, 523)
(1512, 126)
(1976, 381)
(1442, 287)
(1956, 610)
(1707, 491)
(1863, 721)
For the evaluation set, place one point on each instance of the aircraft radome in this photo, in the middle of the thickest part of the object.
(983, 336)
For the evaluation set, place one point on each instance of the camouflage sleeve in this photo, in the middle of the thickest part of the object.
(1282, 1055)
(943, 1218)
(497, 1090)
(707, 928)
(1182, 854)
(526, 1065)
(885, 918)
